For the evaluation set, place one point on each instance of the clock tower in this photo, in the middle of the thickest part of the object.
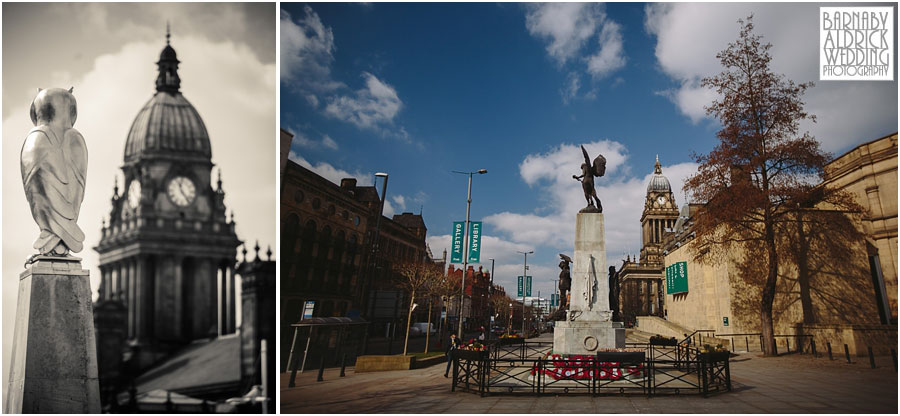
(660, 213)
(168, 251)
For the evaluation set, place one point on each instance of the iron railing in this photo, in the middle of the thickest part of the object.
(529, 369)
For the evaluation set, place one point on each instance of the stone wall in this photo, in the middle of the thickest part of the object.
(882, 338)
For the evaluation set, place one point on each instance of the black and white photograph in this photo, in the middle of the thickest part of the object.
(139, 190)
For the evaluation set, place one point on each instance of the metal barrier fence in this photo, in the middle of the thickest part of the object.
(526, 368)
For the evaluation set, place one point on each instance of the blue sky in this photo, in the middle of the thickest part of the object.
(418, 90)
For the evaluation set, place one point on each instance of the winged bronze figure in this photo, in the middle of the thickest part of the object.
(588, 172)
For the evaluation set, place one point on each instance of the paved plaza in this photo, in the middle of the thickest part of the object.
(786, 384)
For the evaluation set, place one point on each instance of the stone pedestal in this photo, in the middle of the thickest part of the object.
(588, 325)
(54, 354)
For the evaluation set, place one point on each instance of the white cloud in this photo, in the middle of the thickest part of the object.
(328, 142)
(333, 174)
(400, 201)
(689, 35)
(307, 48)
(571, 89)
(566, 26)
(568, 30)
(369, 108)
(302, 140)
(611, 56)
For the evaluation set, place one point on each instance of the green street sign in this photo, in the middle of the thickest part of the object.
(554, 299)
(475, 242)
(456, 248)
(677, 278)
(527, 287)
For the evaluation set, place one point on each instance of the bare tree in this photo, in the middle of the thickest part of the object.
(413, 277)
(753, 181)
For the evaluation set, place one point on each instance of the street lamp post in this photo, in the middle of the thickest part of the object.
(524, 286)
(369, 269)
(491, 302)
(462, 288)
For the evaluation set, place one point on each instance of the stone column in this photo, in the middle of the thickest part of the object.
(53, 368)
(588, 325)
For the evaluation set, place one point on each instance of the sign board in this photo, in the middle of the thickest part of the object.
(554, 299)
(308, 309)
(725, 320)
(519, 291)
(456, 248)
(475, 242)
(527, 287)
(677, 278)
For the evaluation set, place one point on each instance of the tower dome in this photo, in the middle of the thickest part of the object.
(658, 183)
(168, 123)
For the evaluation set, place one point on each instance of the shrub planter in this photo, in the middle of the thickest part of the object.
(369, 363)
(665, 342)
(511, 341)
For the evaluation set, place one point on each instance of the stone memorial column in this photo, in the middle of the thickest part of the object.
(54, 356)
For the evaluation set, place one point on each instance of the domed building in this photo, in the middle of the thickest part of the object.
(640, 280)
(168, 254)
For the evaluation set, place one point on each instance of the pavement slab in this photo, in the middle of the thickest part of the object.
(785, 384)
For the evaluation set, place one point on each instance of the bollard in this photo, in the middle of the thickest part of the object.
(830, 357)
(871, 358)
(321, 370)
(847, 353)
(787, 341)
(343, 364)
(812, 343)
(747, 344)
(894, 357)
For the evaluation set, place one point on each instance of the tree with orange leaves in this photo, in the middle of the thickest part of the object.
(762, 172)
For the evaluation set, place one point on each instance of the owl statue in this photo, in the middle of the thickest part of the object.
(54, 169)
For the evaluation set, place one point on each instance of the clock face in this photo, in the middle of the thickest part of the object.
(181, 191)
(661, 199)
(134, 193)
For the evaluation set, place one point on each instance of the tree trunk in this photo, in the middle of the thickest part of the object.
(768, 294)
(412, 299)
(803, 272)
(428, 328)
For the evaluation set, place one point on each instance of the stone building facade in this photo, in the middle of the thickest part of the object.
(851, 298)
(641, 280)
(328, 256)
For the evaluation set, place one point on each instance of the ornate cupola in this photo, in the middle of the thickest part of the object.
(168, 80)
(168, 250)
(660, 213)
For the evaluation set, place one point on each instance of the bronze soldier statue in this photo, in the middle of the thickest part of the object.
(565, 283)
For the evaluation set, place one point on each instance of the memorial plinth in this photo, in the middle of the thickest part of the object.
(588, 326)
(54, 357)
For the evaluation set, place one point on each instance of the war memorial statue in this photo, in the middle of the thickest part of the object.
(587, 326)
(53, 365)
(588, 172)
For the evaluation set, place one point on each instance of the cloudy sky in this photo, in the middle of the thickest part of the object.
(418, 90)
(108, 53)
